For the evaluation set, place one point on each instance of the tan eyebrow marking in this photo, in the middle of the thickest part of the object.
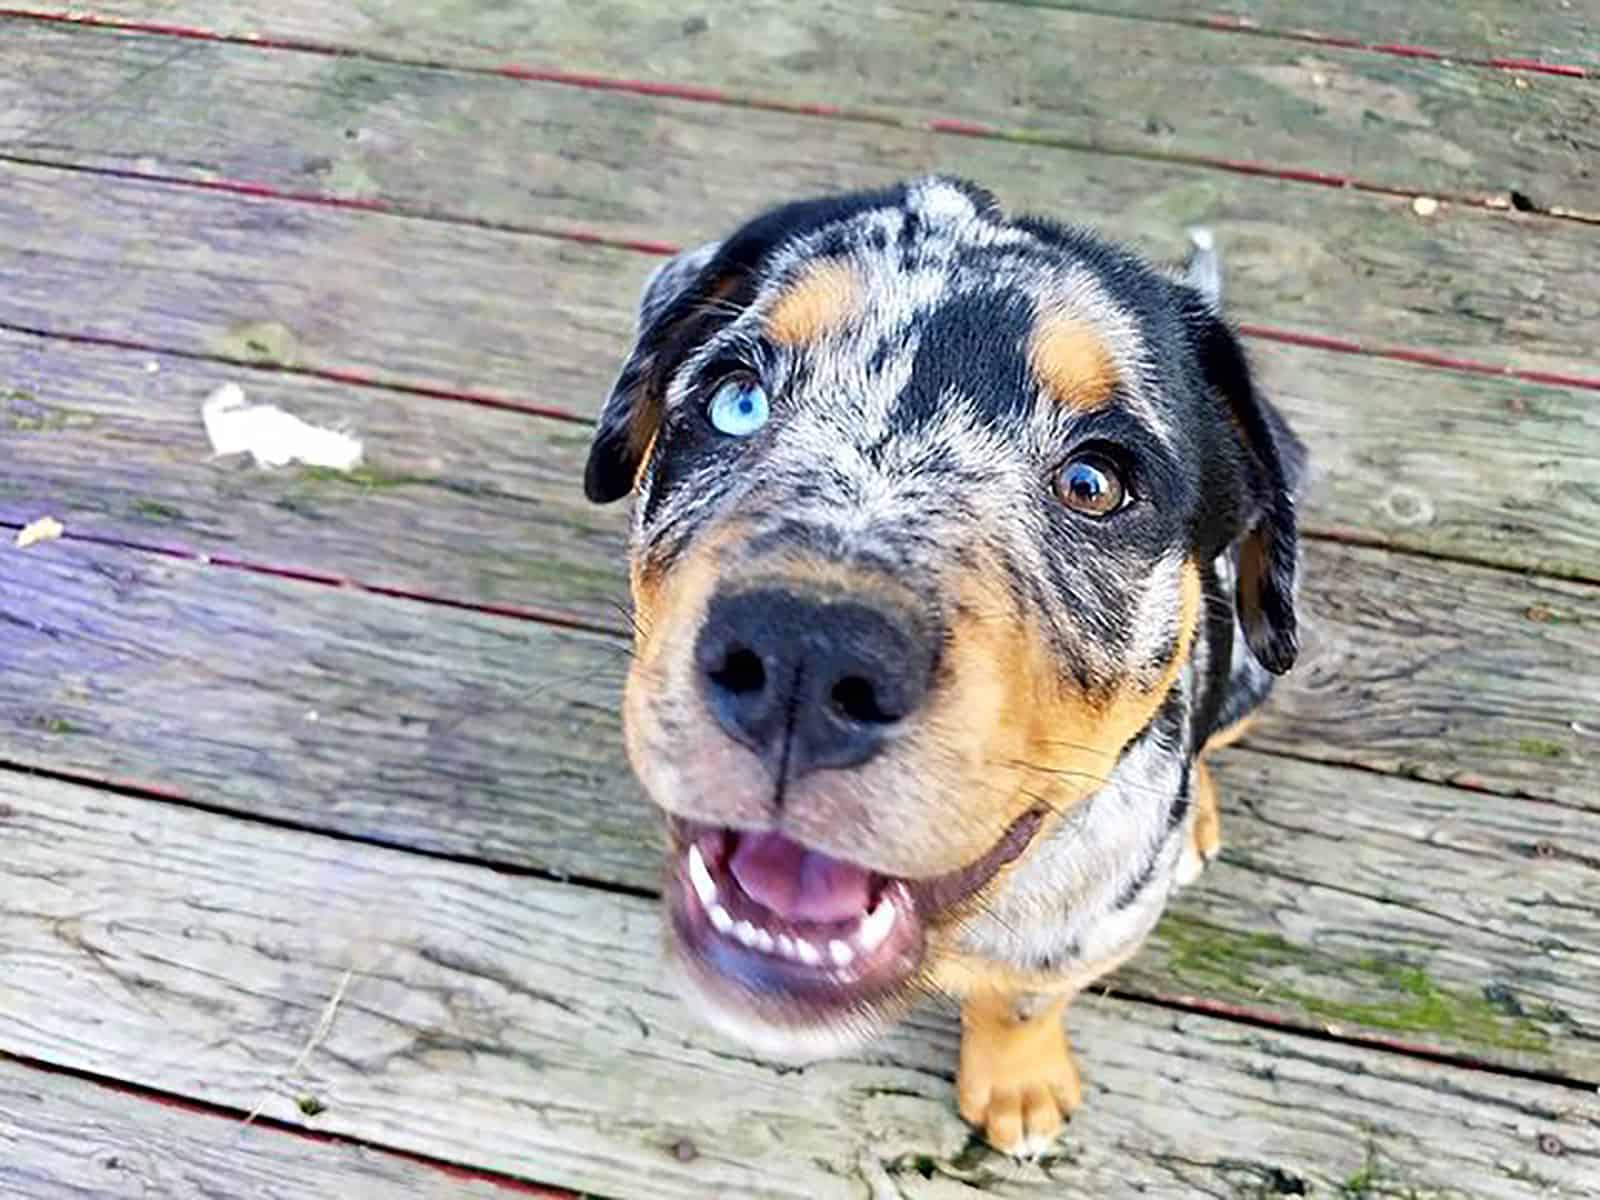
(823, 298)
(1073, 362)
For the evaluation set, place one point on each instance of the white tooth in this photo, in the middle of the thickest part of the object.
(807, 952)
(745, 932)
(764, 942)
(841, 953)
(876, 926)
(720, 920)
(701, 878)
(786, 945)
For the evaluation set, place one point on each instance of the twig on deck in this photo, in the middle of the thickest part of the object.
(324, 1024)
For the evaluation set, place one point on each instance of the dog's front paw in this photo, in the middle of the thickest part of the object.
(1017, 1080)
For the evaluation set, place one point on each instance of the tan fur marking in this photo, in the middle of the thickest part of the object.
(1206, 832)
(644, 456)
(956, 974)
(1016, 1079)
(823, 298)
(1073, 363)
(1044, 740)
(1224, 738)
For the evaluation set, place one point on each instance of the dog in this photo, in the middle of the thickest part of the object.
(958, 540)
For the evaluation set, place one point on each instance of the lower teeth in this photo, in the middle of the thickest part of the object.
(870, 932)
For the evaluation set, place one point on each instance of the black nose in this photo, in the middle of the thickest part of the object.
(809, 683)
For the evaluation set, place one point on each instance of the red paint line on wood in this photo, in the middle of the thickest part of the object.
(1403, 51)
(962, 128)
(186, 32)
(1221, 22)
(557, 618)
(1229, 23)
(1533, 64)
(1292, 174)
(1244, 1015)
(332, 374)
(706, 95)
(220, 1112)
(249, 189)
(253, 190)
(264, 191)
(1420, 358)
(605, 83)
(693, 93)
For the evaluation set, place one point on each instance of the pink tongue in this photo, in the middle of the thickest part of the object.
(796, 883)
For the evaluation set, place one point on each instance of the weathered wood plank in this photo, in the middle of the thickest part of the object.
(482, 505)
(1372, 903)
(1144, 88)
(1448, 672)
(1506, 289)
(523, 1025)
(67, 1139)
(469, 503)
(1554, 31)
(1470, 467)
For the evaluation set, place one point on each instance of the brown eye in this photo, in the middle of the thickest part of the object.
(1090, 484)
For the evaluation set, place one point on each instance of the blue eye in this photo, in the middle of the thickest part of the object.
(739, 407)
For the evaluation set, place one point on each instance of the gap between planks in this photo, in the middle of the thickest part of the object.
(277, 1128)
(1179, 1003)
(564, 619)
(1421, 358)
(700, 94)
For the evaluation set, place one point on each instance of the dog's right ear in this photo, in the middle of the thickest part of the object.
(632, 413)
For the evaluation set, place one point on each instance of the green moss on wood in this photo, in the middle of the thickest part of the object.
(367, 477)
(1400, 997)
(310, 1105)
(1540, 748)
(269, 343)
(156, 510)
(22, 412)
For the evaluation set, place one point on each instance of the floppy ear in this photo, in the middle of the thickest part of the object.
(685, 299)
(632, 413)
(1268, 555)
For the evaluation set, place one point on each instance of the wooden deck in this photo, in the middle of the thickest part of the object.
(321, 871)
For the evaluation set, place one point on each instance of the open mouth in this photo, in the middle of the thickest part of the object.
(800, 935)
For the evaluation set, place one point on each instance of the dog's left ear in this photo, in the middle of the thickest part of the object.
(632, 413)
(1269, 552)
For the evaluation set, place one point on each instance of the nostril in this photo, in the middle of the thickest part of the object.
(857, 699)
(741, 673)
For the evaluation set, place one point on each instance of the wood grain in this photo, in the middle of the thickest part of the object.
(524, 1025)
(483, 506)
(1464, 466)
(1507, 289)
(1412, 666)
(1398, 122)
(1559, 32)
(63, 1138)
(1346, 898)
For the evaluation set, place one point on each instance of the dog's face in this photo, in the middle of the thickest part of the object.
(924, 501)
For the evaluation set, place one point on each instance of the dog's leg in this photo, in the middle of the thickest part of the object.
(1205, 830)
(1017, 1079)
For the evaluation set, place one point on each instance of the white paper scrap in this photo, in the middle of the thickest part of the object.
(45, 529)
(271, 436)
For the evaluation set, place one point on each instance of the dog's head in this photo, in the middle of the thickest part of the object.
(924, 499)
